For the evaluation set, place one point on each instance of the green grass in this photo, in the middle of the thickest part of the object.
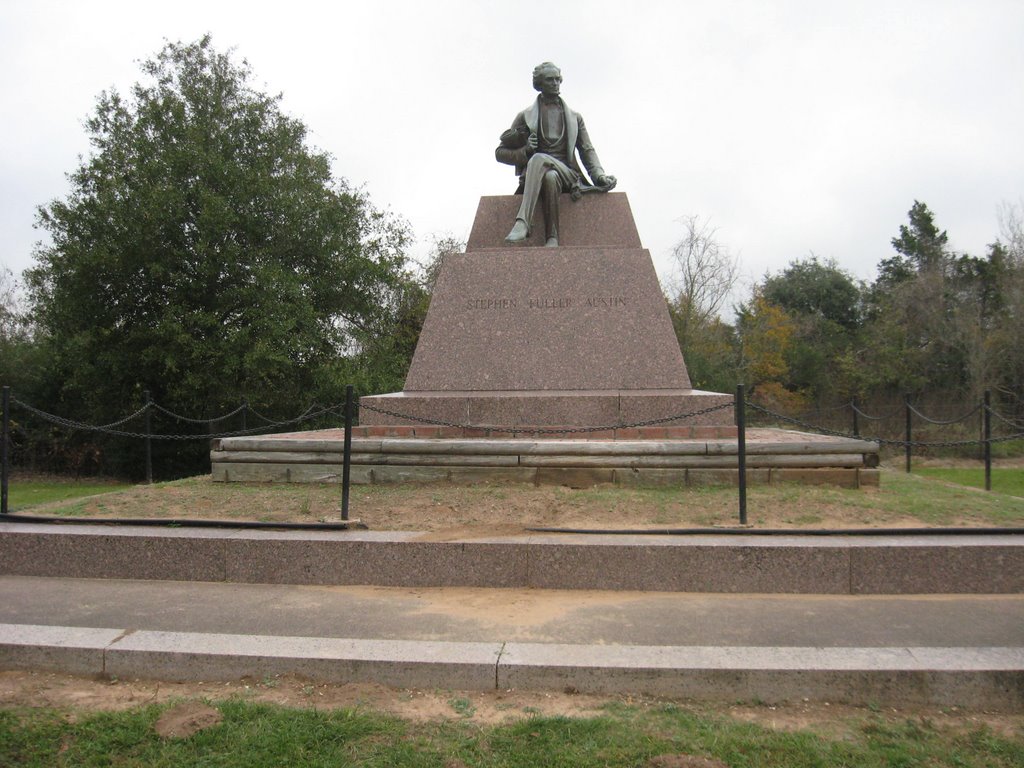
(27, 493)
(918, 496)
(1008, 481)
(260, 735)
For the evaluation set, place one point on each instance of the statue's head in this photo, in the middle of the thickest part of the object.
(547, 78)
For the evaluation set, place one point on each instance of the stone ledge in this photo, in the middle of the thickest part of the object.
(594, 220)
(399, 663)
(535, 474)
(976, 678)
(491, 413)
(981, 678)
(849, 564)
(284, 440)
(75, 650)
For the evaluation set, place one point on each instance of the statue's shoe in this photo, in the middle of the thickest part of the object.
(519, 232)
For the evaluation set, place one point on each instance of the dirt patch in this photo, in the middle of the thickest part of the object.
(185, 719)
(444, 512)
(79, 694)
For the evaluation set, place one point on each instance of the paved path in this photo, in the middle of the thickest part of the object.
(939, 650)
(526, 615)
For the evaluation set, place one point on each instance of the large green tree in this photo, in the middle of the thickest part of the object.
(921, 247)
(943, 322)
(207, 253)
(909, 346)
(825, 305)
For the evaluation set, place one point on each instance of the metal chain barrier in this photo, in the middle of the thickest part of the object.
(308, 414)
(806, 425)
(315, 411)
(536, 431)
(882, 440)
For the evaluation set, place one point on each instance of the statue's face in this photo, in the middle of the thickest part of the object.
(550, 82)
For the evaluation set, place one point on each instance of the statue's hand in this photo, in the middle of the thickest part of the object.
(531, 144)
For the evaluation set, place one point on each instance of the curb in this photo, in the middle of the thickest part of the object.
(980, 678)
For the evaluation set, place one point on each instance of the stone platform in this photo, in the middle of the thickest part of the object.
(397, 454)
(924, 619)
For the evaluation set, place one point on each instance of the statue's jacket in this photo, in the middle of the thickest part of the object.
(512, 149)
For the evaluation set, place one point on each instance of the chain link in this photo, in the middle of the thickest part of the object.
(258, 415)
(536, 431)
(869, 417)
(126, 419)
(967, 415)
(188, 420)
(831, 409)
(1005, 420)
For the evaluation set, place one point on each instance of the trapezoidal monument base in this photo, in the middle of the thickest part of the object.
(576, 336)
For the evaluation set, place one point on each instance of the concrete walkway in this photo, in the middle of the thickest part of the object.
(966, 650)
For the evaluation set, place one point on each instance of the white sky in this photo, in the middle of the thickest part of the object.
(795, 126)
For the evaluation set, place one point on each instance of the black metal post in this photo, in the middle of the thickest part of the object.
(856, 420)
(4, 440)
(346, 469)
(149, 438)
(245, 414)
(906, 403)
(741, 450)
(987, 408)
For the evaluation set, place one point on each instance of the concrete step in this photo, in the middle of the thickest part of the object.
(773, 455)
(848, 564)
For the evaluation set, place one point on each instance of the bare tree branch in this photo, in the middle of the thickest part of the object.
(1011, 229)
(704, 273)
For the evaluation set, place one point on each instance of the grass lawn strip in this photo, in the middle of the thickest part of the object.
(253, 734)
(1009, 481)
(35, 492)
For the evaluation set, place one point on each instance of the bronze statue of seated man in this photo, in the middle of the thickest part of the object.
(543, 144)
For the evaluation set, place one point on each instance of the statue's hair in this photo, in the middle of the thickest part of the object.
(539, 70)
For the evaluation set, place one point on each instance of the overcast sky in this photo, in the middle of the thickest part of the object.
(797, 127)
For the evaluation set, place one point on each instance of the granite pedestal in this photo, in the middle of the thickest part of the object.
(576, 336)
